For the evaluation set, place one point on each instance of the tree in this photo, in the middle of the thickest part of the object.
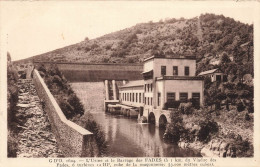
(178, 30)
(175, 129)
(232, 95)
(8, 56)
(251, 107)
(225, 58)
(240, 106)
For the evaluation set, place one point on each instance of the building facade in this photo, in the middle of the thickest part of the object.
(169, 79)
(132, 94)
(165, 80)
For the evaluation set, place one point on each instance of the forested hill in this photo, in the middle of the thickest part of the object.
(216, 41)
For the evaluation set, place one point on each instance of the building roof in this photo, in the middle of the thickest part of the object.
(209, 72)
(136, 83)
(244, 44)
(171, 57)
(180, 78)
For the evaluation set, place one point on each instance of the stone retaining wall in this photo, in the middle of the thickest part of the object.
(72, 139)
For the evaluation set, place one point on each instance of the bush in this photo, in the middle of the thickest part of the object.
(208, 128)
(42, 68)
(175, 129)
(12, 144)
(243, 148)
(246, 94)
(94, 45)
(195, 103)
(247, 118)
(12, 121)
(178, 30)
(56, 79)
(75, 102)
(251, 107)
(232, 95)
(186, 108)
(174, 104)
(87, 121)
(240, 107)
(66, 108)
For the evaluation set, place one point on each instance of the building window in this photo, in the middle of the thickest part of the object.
(159, 99)
(140, 96)
(175, 70)
(130, 97)
(148, 100)
(136, 95)
(170, 97)
(218, 78)
(151, 101)
(163, 70)
(145, 100)
(196, 98)
(187, 71)
(144, 87)
(184, 97)
(133, 98)
(151, 87)
(148, 87)
(225, 78)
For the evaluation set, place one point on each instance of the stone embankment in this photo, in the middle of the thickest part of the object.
(215, 148)
(35, 135)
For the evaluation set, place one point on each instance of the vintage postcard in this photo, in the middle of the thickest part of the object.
(128, 83)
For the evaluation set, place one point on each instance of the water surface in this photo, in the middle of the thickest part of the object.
(127, 138)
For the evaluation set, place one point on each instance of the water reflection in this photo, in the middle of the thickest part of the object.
(127, 138)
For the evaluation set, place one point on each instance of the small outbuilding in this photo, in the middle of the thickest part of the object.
(215, 75)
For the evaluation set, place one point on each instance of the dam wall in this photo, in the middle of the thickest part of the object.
(91, 94)
(87, 72)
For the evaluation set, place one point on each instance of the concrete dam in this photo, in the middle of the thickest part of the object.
(89, 72)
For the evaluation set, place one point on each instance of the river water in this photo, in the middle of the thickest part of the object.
(126, 137)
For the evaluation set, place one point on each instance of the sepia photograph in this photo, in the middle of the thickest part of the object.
(128, 79)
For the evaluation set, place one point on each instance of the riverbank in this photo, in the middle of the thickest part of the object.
(214, 134)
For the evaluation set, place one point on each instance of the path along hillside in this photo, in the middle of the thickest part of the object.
(35, 138)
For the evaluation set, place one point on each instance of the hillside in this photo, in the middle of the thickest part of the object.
(207, 37)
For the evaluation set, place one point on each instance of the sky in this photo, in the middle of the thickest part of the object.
(29, 28)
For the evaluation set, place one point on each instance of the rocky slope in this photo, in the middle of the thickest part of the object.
(35, 138)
